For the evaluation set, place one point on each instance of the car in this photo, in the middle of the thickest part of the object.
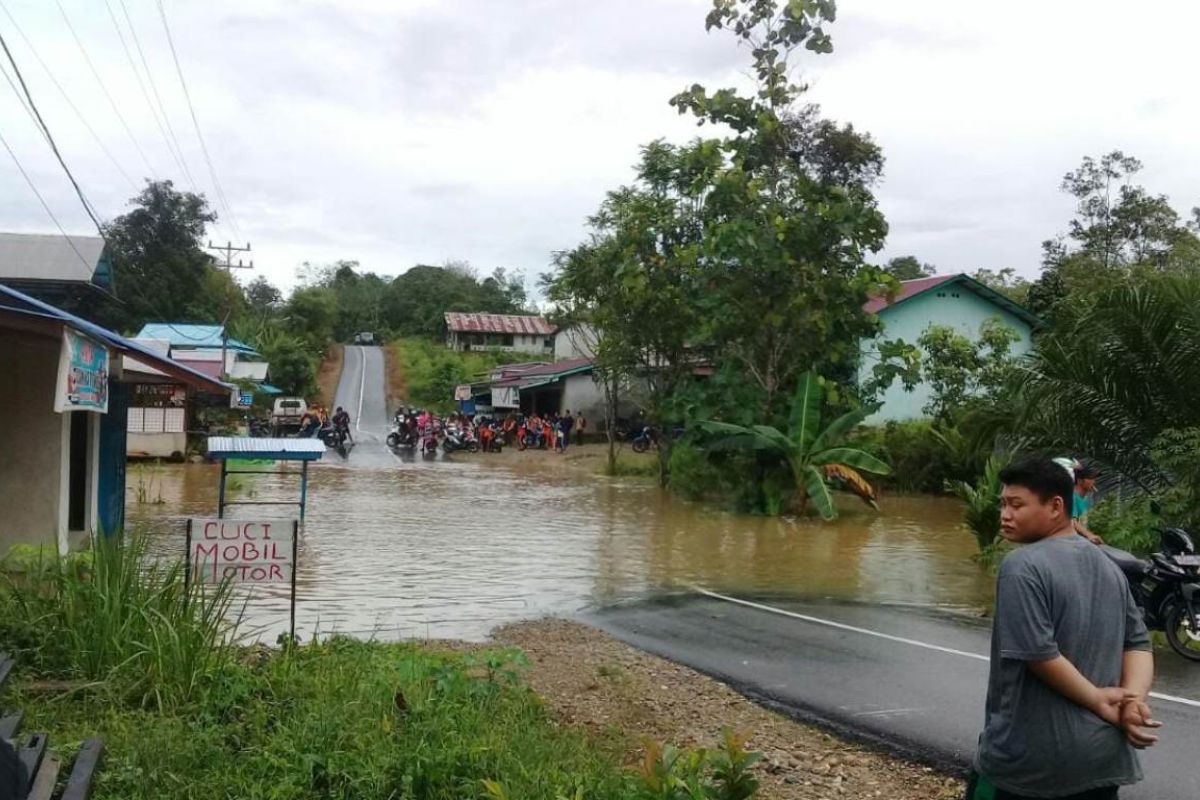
(364, 337)
(286, 416)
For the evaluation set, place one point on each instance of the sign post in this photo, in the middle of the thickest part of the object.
(245, 551)
(82, 374)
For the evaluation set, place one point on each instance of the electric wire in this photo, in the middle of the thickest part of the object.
(79, 114)
(196, 124)
(49, 137)
(137, 43)
(104, 88)
(90, 268)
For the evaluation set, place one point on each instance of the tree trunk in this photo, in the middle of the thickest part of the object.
(611, 399)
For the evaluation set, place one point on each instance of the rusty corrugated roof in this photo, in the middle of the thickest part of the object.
(498, 323)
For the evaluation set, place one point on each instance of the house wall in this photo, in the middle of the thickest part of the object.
(155, 445)
(953, 306)
(35, 470)
(521, 343)
(577, 341)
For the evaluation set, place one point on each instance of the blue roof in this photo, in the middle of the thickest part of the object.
(182, 334)
(267, 388)
(34, 307)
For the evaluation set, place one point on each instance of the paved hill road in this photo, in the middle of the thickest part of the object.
(362, 393)
(911, 681)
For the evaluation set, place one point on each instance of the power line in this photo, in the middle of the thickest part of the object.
(196, 124)
(90, 268)
(137, 43)
(66, 97)
(50, 138)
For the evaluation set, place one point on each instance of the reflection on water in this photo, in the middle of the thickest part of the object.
(453, 548)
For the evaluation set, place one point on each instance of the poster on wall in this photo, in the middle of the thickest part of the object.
(82, 375)
(506, 397)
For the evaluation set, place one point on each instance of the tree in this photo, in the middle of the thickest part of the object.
(311, 314)
(907, 268)
(816, 456)
(1006, 281)
(960, 370)
(1111, 381)
(262, 298)
(160, 271)
(415, 302)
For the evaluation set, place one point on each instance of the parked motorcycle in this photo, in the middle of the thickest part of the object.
(532, 440)
(259, 428)
(429, 441)
(456, 439)
(402, 437)
(646, 439)
(1166, 587)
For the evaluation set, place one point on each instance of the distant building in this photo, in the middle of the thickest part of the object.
(575, 341)
(55, 268)
(505, 332)
(957, 301)
(160, 409)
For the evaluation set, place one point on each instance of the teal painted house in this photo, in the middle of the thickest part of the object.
(958, 301)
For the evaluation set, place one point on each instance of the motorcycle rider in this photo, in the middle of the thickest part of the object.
(341, 423)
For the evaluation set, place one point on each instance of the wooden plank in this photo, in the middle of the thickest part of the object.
(30, 754)
(47, 777)
(79, 785)
(10, 725)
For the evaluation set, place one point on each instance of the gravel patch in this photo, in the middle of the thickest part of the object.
(591, 680)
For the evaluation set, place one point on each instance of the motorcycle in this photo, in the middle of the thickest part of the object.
(531, 440)
(646, 439)
(429, 441)
(1166, 586)
(456, 439)
(401, 437)
(259, 428)
(335, 439)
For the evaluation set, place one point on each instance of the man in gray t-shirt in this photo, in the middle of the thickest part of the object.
(1071, 662)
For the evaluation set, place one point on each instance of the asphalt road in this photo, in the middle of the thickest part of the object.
(909, 681)
(362, 393)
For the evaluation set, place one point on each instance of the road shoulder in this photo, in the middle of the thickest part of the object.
(591, 679)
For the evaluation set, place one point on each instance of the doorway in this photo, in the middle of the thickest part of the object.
(77, 487)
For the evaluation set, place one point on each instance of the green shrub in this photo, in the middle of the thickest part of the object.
(351, 719)
(431, 370)
(923, 457)
(115, 617)
(981, 515)
(1128, 525)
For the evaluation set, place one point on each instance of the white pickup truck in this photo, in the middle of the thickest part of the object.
(286, 416)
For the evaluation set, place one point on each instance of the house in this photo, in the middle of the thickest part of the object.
(65, 403)
(958, 301)
(55, 269)
(507, 332)
(161, 410)
(575, 341)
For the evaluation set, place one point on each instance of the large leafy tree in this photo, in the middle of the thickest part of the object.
(161, 272)
(788, 217)
(815, 455)
(907, 268)
(415, 302)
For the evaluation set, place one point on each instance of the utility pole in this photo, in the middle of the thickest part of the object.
(228, 249)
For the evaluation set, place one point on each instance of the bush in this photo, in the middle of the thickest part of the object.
(923, 457)
(981, 515)
(742, 481)
(111, 616)
(431, 370)
(1128, 525)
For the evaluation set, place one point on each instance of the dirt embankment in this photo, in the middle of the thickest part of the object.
(328, 375)
(592, 680)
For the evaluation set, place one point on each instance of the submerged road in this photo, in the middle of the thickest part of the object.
(906, 680)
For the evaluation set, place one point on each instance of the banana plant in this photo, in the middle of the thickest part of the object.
(817, 457)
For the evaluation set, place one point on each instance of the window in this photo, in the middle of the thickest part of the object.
(548, 343)
(506, 340)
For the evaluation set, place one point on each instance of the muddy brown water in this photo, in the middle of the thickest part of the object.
(451, 548)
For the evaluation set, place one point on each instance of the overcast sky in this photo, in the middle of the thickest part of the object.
(415, 131)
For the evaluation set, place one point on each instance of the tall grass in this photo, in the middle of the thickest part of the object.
(112, 617)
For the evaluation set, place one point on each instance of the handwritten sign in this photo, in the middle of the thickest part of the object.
(244, 551)
(82, 375)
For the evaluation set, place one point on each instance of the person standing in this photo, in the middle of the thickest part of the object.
(580, 427)
(1071, 662)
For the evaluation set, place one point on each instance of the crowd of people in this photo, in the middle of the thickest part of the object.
(552, 431)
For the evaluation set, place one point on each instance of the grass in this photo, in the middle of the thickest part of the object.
(630, 464)
(186, 715)
(430, 371)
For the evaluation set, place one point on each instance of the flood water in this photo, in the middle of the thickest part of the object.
(454, 547)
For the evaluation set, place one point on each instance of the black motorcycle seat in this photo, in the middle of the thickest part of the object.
(1130, 564)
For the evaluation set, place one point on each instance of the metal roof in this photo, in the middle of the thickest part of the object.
(498, 323)
(917, 286)
(276, 449)
(184, 334)
(16, 302)
(46, 257)
(541, 374)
